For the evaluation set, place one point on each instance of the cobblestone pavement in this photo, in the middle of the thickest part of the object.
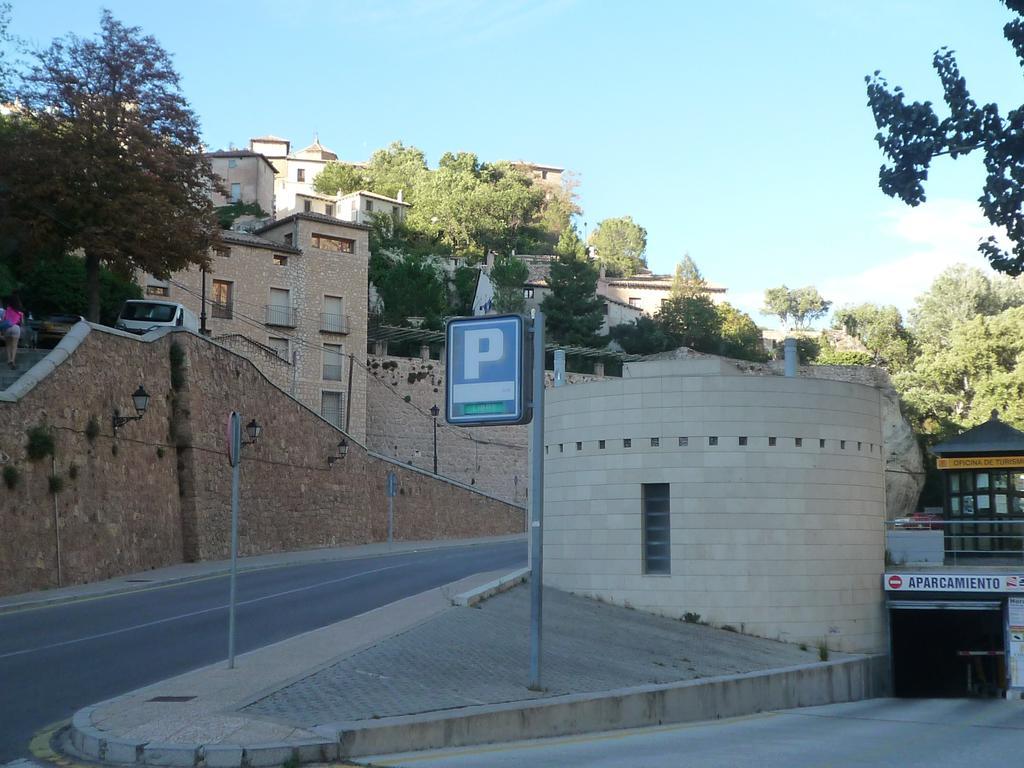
(470, 656)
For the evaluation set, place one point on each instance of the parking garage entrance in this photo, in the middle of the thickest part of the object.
(948, 648)
(956, 634)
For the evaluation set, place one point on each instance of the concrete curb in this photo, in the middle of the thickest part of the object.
(808, 685)
(491, 588)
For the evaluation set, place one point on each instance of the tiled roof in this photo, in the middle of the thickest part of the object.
(312, 217)
(238, 153)
(991, 437)
(367, 193)
(271, 138)
(233, 236)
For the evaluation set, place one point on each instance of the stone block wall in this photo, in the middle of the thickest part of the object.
(159, 492)
(400, 392)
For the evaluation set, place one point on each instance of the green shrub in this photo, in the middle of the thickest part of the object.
(56, 484)
(830, 356)
(823, 651)
(40, 443)
(73, 471)
(11, 476)
(92, 429)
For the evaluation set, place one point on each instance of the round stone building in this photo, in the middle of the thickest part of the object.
(695, 489)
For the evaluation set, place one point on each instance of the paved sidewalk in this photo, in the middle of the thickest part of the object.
(421, 673)
(183, 572)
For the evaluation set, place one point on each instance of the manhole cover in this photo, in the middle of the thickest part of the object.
(171, 699)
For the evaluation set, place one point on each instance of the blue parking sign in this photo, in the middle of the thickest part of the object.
(487, 374)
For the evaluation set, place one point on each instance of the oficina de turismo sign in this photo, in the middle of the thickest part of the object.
(953, 582)
(487, 370)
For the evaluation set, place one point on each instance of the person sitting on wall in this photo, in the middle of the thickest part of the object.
(10, 327)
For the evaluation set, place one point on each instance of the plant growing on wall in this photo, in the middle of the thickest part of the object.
(11, 476)
(40, 443)
(92, 429)
(56, 484)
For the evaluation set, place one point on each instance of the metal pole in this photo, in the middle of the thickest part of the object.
(56, 525)
(236, 439)
(202, 308)
(537, 504)
(435, 445)
(391, 519)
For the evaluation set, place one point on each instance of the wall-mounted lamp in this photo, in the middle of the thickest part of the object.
(253, 430)
(342, 452)
(140, 398)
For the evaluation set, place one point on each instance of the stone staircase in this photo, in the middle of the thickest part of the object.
(25, 360)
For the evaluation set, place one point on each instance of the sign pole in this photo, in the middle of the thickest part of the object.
(392, 489)
(537, 504)
(235, 438)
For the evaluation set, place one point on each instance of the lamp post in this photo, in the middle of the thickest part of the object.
(140, 399)
(235, 442)
(434, 410)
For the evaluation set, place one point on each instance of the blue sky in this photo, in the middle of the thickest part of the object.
(737, 132)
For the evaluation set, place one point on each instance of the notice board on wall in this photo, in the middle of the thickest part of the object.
(1015, 633)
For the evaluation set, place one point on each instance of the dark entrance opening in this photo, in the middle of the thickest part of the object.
(942, 652)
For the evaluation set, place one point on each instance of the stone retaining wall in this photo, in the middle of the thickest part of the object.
(159, 492)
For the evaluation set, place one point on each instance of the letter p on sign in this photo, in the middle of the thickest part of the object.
(482, 346)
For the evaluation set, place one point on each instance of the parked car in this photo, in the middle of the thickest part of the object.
(50, 329)
(140, 317)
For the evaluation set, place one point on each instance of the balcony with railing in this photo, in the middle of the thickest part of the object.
(222, 309)
(334, 323)
(281, 316)
(930, 540)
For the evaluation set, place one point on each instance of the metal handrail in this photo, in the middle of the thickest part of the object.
(978, 539)
(334, 323)
(281, 316)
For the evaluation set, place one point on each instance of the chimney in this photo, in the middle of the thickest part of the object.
(400, 196)
(602, 272)
(790, 357)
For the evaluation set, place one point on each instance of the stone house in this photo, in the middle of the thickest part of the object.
(291, 297)
(646, 290)
(246, 177)
(360, 207)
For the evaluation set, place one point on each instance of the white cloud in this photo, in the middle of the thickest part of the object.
(932, 237)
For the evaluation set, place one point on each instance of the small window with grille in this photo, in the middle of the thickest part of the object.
(657, 529)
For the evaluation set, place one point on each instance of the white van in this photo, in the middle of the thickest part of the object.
(144, 316)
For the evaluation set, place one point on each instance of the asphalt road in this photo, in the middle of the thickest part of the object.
(55, 660)
(879, 733)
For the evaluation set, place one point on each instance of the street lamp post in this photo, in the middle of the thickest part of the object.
(434, 411)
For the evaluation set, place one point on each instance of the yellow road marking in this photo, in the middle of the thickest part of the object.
(561, 741)
(41, 747)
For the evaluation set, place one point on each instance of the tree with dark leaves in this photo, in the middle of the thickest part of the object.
(911, 134)
(106, 154)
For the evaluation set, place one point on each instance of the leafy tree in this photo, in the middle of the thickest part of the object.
(5, 40)
(464, 288)
(691, 321)
(880, 329)
(802, 305)
(341, 178)
(508, 275)
(832, 356)
(911, 135)
(574, 314)
(956, 296)
(688, 280)
(227, 214)
(644, 336)
(740, 336)
(409, 286)
(57, 286)
(620, 245)
(115, 162)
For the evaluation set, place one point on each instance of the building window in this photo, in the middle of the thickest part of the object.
(332, 407)
(236, 192)
(579, 446)
(289, 239)
(329, 209)
(600, 444)
(280, 260)
(771, 441)
(220, 297)
(842, 445)
(606, 308)
(655, 442)
(232, 162)
(279, 310)
(394, 211)
(712, 441)
(799, 442)
(657, 529)
(280, 346)
(627, 443)
(332, 319)
(223, 251)
(307, 206)
(634, 301)
(859, 445)
(336, 244)
(543, 175)
(743, 441)
(369, 206)
(300, 174)
(821, 443)
(561, 447)
(158, 290)
(527, 293)
(333, 354)
(683, 441)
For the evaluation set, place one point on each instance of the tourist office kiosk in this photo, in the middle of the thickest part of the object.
(957, 622)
